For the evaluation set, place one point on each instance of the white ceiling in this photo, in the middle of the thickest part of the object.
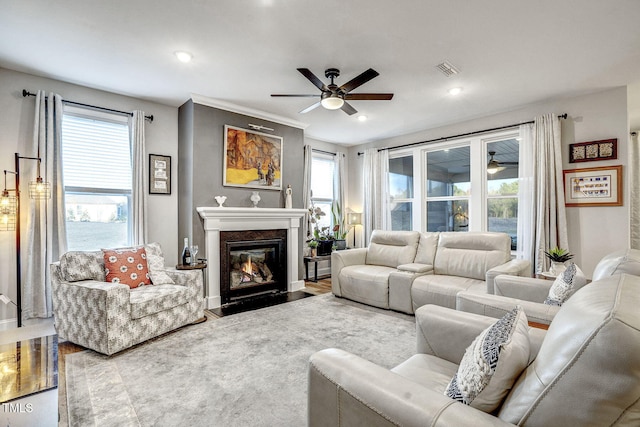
(510, 53)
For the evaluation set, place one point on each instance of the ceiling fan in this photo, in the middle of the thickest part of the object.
(333, 97)
(495, 166)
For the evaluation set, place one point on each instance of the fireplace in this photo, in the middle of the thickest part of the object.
(252, 263)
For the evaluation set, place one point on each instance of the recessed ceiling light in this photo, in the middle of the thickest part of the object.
(455, 91)
(362, 118)
(183, 56)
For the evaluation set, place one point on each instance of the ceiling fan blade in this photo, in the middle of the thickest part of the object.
(369, 96)
(347, 108)
(311, 107)
(358, 81)
(312, 78)
(296, 95)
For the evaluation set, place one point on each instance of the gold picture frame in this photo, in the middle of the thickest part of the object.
(600, 186)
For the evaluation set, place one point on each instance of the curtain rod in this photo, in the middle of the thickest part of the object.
(325, 152)
(444, 138)
(26, 93)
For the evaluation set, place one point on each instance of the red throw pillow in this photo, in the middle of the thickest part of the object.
(127, 266)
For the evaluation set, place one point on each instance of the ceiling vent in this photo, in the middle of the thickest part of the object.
(447, 69)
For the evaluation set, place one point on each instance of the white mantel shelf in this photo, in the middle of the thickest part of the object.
(217, 219)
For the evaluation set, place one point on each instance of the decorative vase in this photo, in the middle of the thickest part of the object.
(288, 203)
(255, 198)
(220, 200)
(340, 244)
(557, 268)
(313, 252)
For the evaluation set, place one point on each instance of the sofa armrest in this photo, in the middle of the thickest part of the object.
(189, 278)
(525, 288)
(497, 306)
(515, 267)
(400, 283)
(342, 259)
(446, 333)
(345, 389)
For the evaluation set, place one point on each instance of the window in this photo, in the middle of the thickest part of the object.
(322, 185)
(448, 189)
(502, 189)
(97, 175)
(401, 192)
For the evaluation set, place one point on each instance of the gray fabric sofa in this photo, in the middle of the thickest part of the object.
(583, 371)
(403, 270)
(110, 317)
(530, 293)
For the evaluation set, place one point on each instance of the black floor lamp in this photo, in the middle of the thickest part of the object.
(355, 219)
(10, 215)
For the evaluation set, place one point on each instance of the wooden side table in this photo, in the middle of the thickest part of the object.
(315, 260)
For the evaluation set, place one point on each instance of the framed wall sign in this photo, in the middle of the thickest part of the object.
(593, 186)
(607, 149)
(159, 174)
(252, 159)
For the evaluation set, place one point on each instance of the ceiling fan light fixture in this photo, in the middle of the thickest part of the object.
(333, 102)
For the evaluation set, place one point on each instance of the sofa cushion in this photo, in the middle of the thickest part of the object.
(368, 284)
(427, 247)
(471, 254)
(492, 363)
(442, 290)
(427, 370)
(127, 266)
(587, 371)
(148, 300)
(82, 265)
(155, 261)
(392, 248)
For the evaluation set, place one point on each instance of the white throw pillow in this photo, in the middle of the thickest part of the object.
(492, 363)
(155, 261)
(563, 286)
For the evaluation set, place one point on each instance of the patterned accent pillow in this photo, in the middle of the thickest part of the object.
(561, 289)
(127, 266)
(79, 265)
(492, 363)
(155, 261)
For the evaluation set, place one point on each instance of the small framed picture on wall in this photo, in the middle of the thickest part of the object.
(159, 174)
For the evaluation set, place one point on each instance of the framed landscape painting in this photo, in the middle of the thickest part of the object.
(252, 159)
(593, 186)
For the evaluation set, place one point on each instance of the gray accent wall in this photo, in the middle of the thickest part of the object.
(200, 166)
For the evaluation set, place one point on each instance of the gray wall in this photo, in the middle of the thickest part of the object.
(200, 168)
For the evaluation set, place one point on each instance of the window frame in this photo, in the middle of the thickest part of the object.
(315, 155)
(110, 117)
(415, 216)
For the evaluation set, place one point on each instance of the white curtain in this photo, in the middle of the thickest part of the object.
(376, 182)
(306, 187)
(550, 217)
(634, 185)
(139, 181)
(526, 195)
(46, 237)
(339, 189)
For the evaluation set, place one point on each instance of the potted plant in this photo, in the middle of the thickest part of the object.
(558, 258)
(313, 245)
(324, 239)
(339, 229)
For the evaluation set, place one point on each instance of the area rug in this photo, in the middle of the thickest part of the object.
(248, 369)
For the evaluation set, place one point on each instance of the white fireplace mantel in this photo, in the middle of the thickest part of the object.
(217, 219)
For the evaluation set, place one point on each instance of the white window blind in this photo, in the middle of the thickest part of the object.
(96, 153)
